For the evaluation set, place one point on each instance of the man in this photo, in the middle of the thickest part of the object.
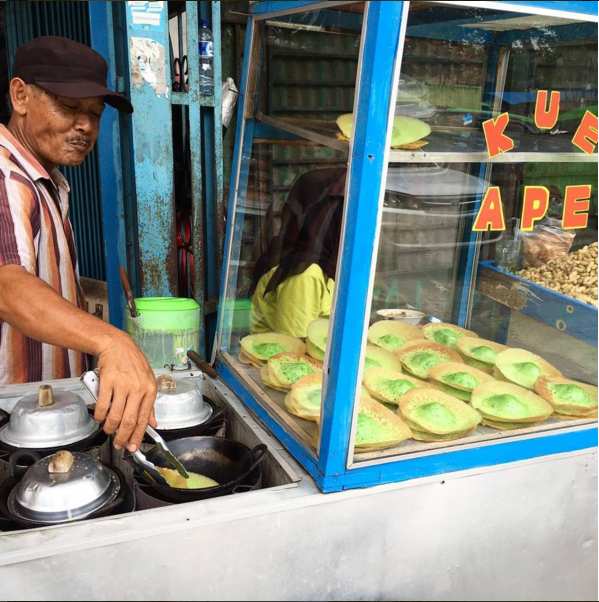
(58, 93)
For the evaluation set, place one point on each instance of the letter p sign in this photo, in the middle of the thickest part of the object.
(536, 203)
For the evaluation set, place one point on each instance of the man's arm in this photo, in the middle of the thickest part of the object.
(35, 309)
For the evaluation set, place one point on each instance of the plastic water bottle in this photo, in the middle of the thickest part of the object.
(206, 47)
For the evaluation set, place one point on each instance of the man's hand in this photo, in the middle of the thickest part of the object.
(126, 380)
(127, 392)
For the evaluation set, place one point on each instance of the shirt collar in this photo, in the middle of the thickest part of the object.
(30, 164)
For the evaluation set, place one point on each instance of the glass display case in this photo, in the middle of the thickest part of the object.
(410, 284)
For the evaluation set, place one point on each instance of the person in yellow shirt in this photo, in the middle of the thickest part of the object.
(298, 288)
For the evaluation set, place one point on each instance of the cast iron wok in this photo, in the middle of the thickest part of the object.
(226, 461)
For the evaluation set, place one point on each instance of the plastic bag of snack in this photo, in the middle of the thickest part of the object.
(547, 241)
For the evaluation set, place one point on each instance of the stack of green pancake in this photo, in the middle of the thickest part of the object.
(305, 398)
(458, 379)
(446, 334)
(420, 357)
(392, 335)
(316, 338)
(376, 357)
(479, 353)
(378, 427)
(522, 368)
(506, 406)
(435, 416)
(569, 399)
(389, 386)
(257, 349)
(284, 369)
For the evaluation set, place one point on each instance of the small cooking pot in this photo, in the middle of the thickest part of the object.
(47, 420)
(96, 443)
(62, 488)
(216, 423)
(226, 461)
(179, 404)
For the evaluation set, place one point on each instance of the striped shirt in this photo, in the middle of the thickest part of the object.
(35, 233)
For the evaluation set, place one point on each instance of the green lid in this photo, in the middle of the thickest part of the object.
(152, 304)
(166, 314)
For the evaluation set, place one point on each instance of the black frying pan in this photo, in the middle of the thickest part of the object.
(226, 461)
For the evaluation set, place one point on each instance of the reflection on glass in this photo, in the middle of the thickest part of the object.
(491, 332)
(288, 214)
(300, 261)
(464, 66)
(468, 332)
(284, 278)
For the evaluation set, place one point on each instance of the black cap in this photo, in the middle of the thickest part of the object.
(66, 68)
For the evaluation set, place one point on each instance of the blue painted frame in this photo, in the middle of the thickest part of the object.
(153, 155)
(380, 38)
(330, 470)
(109, 155)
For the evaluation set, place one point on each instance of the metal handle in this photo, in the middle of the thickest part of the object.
(217, 414)
(257, 454)
(150, 431)
(91, 381)
(14, 458)
(157, 438)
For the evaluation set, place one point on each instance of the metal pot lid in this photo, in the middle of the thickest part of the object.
(48, 419)
(63, 487)
(179, 404)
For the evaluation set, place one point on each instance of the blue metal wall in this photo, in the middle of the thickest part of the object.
(28, 20)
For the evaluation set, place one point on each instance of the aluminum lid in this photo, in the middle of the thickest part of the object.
(179, 404)
(48, 493)
(48, 419)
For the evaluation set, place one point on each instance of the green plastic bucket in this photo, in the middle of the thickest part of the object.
(165, 330)
(241, 314)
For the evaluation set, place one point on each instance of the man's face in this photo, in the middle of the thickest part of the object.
(61, 131)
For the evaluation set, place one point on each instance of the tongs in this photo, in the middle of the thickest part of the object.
(91, 381)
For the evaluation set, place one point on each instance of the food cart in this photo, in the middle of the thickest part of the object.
(390, 476)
